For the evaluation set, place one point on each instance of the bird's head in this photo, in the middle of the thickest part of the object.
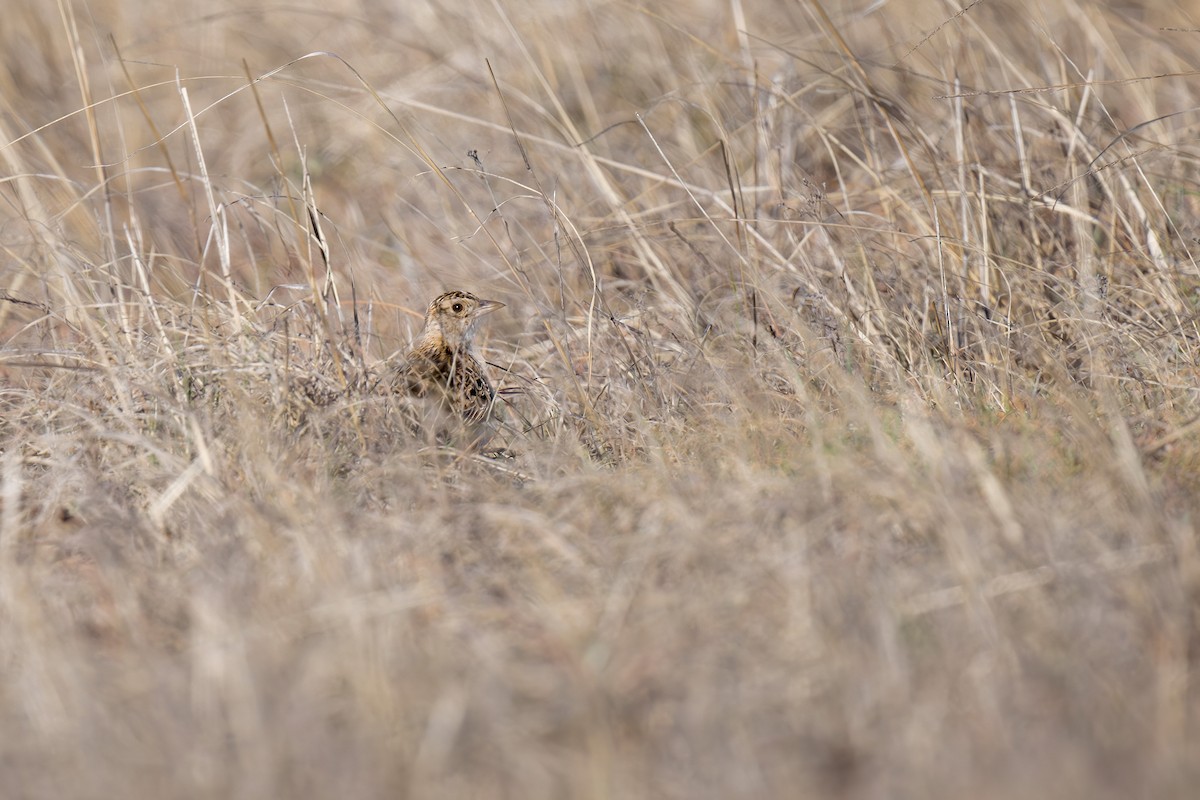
(453, 318)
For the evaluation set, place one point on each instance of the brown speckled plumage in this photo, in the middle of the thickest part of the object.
(443, 367)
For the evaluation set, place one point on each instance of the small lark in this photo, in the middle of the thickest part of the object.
(444, 368)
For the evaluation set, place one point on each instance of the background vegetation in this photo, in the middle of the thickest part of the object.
(850, 358)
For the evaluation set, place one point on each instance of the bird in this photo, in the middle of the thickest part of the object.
(447, 376)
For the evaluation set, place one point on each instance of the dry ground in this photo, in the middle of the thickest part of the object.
(850, 358)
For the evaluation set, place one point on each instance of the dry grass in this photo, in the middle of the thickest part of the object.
(851, 356)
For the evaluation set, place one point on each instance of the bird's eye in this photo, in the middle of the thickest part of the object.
(457, 308)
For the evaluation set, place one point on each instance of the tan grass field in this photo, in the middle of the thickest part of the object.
(849, 361)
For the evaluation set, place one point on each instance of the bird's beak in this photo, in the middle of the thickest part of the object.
(488, 306)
